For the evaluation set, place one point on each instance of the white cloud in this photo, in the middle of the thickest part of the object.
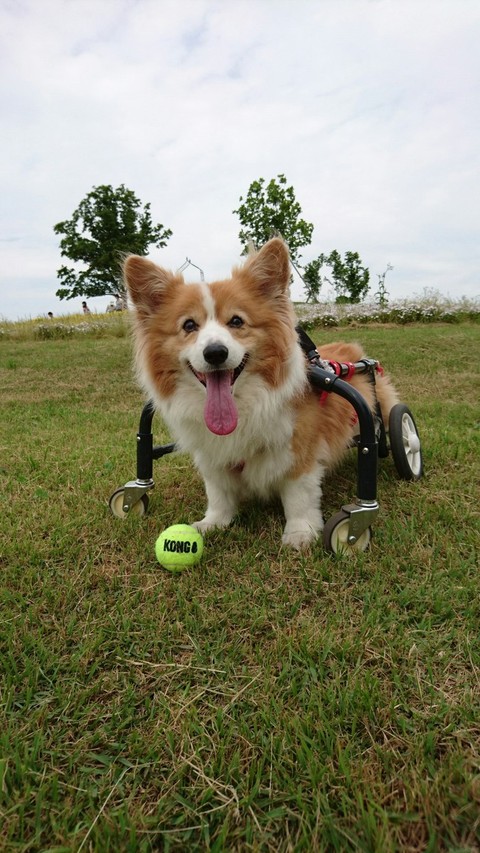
(368, 106)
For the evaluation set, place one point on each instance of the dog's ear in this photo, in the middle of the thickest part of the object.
(146, 283)
(270, 267)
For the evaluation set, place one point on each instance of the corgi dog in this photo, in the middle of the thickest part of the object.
(223, 365)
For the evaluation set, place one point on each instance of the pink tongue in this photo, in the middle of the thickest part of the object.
(220, 411)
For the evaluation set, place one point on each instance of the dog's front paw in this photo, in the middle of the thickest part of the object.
(210, 524)
(299, 535)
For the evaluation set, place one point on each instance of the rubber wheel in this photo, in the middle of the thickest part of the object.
(405, 443)
(335, 535)
(116, 505)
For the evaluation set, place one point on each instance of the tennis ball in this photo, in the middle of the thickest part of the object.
(179, 547)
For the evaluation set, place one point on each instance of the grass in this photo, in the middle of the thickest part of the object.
(262, 701)
(65, 327)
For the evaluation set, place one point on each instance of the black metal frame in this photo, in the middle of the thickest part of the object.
(367, 440)
(146, 451)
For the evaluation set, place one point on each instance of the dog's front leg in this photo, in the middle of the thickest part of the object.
(301, 505)
(222, 502)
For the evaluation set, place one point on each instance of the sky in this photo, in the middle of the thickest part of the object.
(370, 108)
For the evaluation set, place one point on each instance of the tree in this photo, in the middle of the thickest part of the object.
(106, 225)
(272, 209)
(349, 278)
(312, 278)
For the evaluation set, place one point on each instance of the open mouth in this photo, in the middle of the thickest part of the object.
(234, 374)
(220, 412)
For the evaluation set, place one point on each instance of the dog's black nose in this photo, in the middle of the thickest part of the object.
(215, 354)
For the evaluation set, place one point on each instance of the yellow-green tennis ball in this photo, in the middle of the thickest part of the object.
(179, 547)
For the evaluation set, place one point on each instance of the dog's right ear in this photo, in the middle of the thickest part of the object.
(269, 268)
(146, 283)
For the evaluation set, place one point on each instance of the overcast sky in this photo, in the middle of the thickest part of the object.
(369, 107)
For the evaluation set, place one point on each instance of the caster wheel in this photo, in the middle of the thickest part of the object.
(116, 505)
(335, 535)
(405, 443)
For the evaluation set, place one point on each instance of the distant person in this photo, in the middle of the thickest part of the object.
(118, 303)
(86, 309)
(50, 315)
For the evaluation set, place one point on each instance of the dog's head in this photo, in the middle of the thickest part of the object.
(213, 336)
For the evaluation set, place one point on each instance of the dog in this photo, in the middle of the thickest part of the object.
(223, 365)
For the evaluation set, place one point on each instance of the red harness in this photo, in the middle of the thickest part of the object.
(338, 370)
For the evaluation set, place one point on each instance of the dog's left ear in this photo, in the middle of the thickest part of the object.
(270, 267)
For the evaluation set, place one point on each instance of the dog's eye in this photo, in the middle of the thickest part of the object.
(190, 326)
(236, 322)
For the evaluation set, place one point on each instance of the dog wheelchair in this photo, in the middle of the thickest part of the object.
(351, 527)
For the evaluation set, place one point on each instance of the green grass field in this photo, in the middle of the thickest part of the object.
(263, 701)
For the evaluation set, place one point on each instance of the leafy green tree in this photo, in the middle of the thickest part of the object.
(312, 278)
(269, 210)
(349, 277)
(106, 225)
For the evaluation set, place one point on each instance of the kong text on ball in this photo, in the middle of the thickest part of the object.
(179, 547)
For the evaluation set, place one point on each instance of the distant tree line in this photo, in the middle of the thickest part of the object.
(110, 223)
